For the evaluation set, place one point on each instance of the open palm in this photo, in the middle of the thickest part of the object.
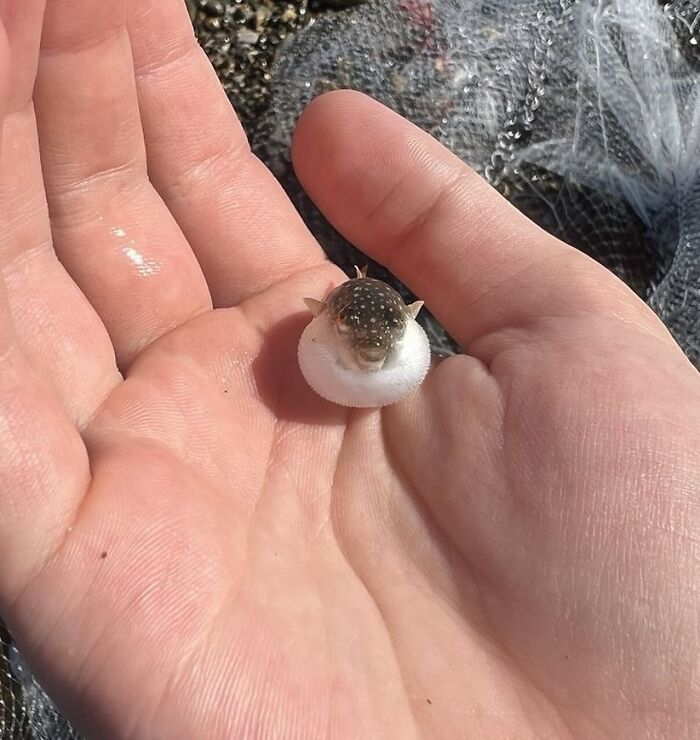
(194, 545)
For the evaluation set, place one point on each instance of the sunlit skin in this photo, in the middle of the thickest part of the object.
(195, 545)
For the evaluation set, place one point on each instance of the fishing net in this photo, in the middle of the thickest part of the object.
(26, 712)
(585, 115)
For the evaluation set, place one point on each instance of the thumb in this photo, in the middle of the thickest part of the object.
(404, 199)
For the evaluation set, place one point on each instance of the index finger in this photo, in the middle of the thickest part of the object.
(399, 195)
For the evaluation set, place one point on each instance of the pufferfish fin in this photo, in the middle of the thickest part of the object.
(414, 308)
(314, 306)
(361, 273)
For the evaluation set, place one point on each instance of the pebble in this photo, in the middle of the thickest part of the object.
(213, 8)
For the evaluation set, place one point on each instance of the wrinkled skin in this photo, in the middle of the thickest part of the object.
(194, 545)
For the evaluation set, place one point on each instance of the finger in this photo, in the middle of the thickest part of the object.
(5, 60)
(241, 225)
(110, 228)
(394, 191)
(44, 469)
(56, 328)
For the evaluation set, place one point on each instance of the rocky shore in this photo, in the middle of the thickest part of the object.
(240, 38)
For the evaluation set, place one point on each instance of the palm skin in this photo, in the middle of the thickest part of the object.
(199, 546)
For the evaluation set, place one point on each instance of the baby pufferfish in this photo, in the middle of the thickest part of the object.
(364, 347)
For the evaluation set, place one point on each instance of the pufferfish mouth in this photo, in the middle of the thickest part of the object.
(371, 359)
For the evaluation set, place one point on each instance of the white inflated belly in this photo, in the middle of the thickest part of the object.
(322, 367)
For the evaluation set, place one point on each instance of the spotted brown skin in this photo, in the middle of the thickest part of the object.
(371, 318)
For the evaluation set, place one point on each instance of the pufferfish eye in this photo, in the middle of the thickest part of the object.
(342, 328)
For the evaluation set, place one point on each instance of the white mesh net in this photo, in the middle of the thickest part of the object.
(586, 115)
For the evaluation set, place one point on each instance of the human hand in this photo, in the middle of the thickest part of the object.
(200, 546)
